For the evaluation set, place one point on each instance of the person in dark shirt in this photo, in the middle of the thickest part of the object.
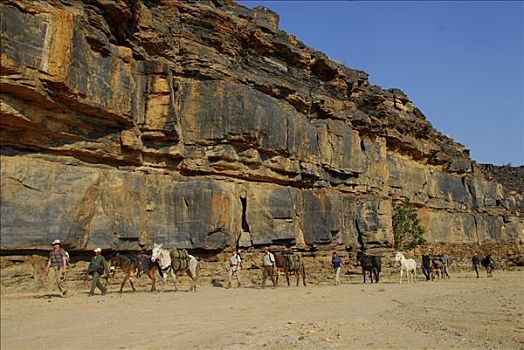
(337, 263)
(96, 268)
(475, 262)
(426, 266)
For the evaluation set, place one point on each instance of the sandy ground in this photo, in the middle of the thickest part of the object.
(461, 313)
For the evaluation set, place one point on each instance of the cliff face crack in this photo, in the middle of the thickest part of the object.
(466, 185)
(22, 183)
(245, 225)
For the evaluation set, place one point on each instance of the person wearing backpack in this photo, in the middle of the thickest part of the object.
(235, 265)
(57, 260)
(96, 268)
(269, 268)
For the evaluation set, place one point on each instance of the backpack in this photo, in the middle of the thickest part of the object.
(65, 255)
(67, 258)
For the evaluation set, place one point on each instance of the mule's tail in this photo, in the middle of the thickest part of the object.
(197, 270)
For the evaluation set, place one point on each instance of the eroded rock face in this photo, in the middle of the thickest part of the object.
(202, 125)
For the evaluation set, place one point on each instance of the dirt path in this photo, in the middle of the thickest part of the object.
(461, 313)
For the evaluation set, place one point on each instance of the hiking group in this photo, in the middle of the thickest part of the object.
(179, 261)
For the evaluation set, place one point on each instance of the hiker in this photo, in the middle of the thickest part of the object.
(269, 266)
(57, 260)
(426, 266)
(234, 268)
(475, 262)
(97, 267)
(337, 263)
(445, 262)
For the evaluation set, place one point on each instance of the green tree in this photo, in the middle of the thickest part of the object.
(407, 231)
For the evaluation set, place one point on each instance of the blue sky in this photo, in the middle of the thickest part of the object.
(461, 63)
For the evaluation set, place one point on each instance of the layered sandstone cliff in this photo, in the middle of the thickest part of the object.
(200, 124)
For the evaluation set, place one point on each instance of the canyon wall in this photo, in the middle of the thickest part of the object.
(201, 124)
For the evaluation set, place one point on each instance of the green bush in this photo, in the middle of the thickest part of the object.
(407, 231)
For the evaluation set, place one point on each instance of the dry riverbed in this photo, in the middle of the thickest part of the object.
(461, 313)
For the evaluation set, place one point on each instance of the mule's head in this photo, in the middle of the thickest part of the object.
(115, 262)
(156, 252)
(399, 256)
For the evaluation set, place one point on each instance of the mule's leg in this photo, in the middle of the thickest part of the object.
(126, 277)
(193, 283)
(132, 286)
(488, 271)
(304, 275)
(287, 277)
(173, 276)
(165, 280)
(192, 287)
(400, 276)
(165, 275)
(415, 275)
(196, 273)
(153, 280)
(376, 273)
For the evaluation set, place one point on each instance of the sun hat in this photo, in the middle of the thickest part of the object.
(97, 249)
(56, 241)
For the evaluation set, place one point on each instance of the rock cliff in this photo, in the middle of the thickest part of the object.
(200, 124)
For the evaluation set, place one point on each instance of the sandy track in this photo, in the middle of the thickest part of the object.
(462, 313)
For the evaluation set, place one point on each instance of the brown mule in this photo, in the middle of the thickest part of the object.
(139, 263)
(291, 264)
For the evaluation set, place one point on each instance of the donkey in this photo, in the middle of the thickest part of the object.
(167, 266)
(291, 264)
(426, 266)
(487, 262)
(437, 269)
(371, 263)
(408, 265)
(134, 263)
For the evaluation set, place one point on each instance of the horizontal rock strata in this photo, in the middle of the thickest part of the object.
(202, 125)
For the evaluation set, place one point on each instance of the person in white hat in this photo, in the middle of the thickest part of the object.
(269, 268)
(57, 260)
(235, 265)
(97, 267)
